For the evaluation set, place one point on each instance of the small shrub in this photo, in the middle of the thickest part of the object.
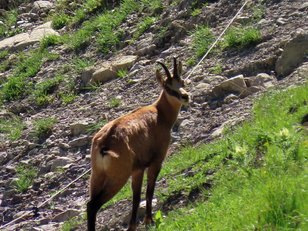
(49, 40)
(59, 21)
(12, 127)
(241, 37)
(114, 102)
(202, 39)
(95, 126)
(67, 98)
(4, 54)
(25, 176)
(122, 73)
(144, 25)
(79, 64)
(44, 88)
(43, 127)
(196, 12)
(217, 69)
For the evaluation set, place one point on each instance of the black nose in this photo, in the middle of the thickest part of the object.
(185, 97)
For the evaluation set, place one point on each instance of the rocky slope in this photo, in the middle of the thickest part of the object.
(218, 99)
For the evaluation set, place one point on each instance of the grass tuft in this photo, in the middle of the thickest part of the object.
(25, 176)
(202, 39)
(241, 37)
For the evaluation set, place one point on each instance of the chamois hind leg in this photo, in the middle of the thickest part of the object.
(105, 189)
(152, 174)
(137, 177)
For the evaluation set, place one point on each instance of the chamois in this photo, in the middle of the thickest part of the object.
(133, 143)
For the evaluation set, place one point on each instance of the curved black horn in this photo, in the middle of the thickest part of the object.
(175, 69)
(166, 70)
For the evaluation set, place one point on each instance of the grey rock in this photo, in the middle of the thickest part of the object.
(79, 142)
(66, 215)
(20, 41)
(59, 162)
(233, 85)
(293, 54)
(78, 128)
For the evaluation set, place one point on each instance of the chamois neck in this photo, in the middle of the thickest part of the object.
(168, 107)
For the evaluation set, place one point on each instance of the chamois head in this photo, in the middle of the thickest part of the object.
(173, 84)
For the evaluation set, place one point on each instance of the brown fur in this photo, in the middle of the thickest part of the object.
(126, 147)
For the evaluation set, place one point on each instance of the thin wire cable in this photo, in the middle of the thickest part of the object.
(45, 202)
(219, 37)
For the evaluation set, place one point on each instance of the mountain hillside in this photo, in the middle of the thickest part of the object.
(68, 67)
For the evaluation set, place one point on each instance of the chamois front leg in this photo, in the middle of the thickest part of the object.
(137, 177)
(152, 174)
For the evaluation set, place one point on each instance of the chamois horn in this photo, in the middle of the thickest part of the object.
(166, 70)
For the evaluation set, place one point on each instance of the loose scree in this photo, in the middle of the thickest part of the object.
(135, 143)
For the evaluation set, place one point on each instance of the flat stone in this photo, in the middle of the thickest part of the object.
(293, 54)
(66, 215)
(21, 41)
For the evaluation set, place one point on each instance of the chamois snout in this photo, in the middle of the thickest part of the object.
(184, 96)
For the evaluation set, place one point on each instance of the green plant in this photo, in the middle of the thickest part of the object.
(49, 40)
(122, 73)
(9, 19)
(59, 20)
(4, 54)
(95, 126)
(79, 64)
(114, 102)
(67, 98)
(72, 223)
(217, 69)
(25, 176)
(196, 12)
(202, 38)
(143, 26)
(240, 37)
(27, 65)
(12, 127)
(43, 90)
(43, 127)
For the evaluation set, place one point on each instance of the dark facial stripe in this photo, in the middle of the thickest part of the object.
(172, 92)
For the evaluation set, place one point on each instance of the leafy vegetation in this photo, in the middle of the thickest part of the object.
(7, 27)
(12, 127)
(114, 102)
(92, 128)
(27, 66)
(240, 37)
(202, 39)
(122, 73)
(142, 26)
(25, 176)
(43, 90)
(43, 127)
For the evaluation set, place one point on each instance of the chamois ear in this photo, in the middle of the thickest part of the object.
(160, 78)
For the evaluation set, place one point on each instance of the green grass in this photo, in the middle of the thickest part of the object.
(95, 127)
(43, 90)
(43, 127)
(202, 38)
(260, 172)
(9, 20)
(59, 20)
(105, 26)
(241, 37)
(25, 176)
(12, 127)
(217, 69)
(27, 65)
(49, 40)
(122, 73)
(143, 26)
(114, 102)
